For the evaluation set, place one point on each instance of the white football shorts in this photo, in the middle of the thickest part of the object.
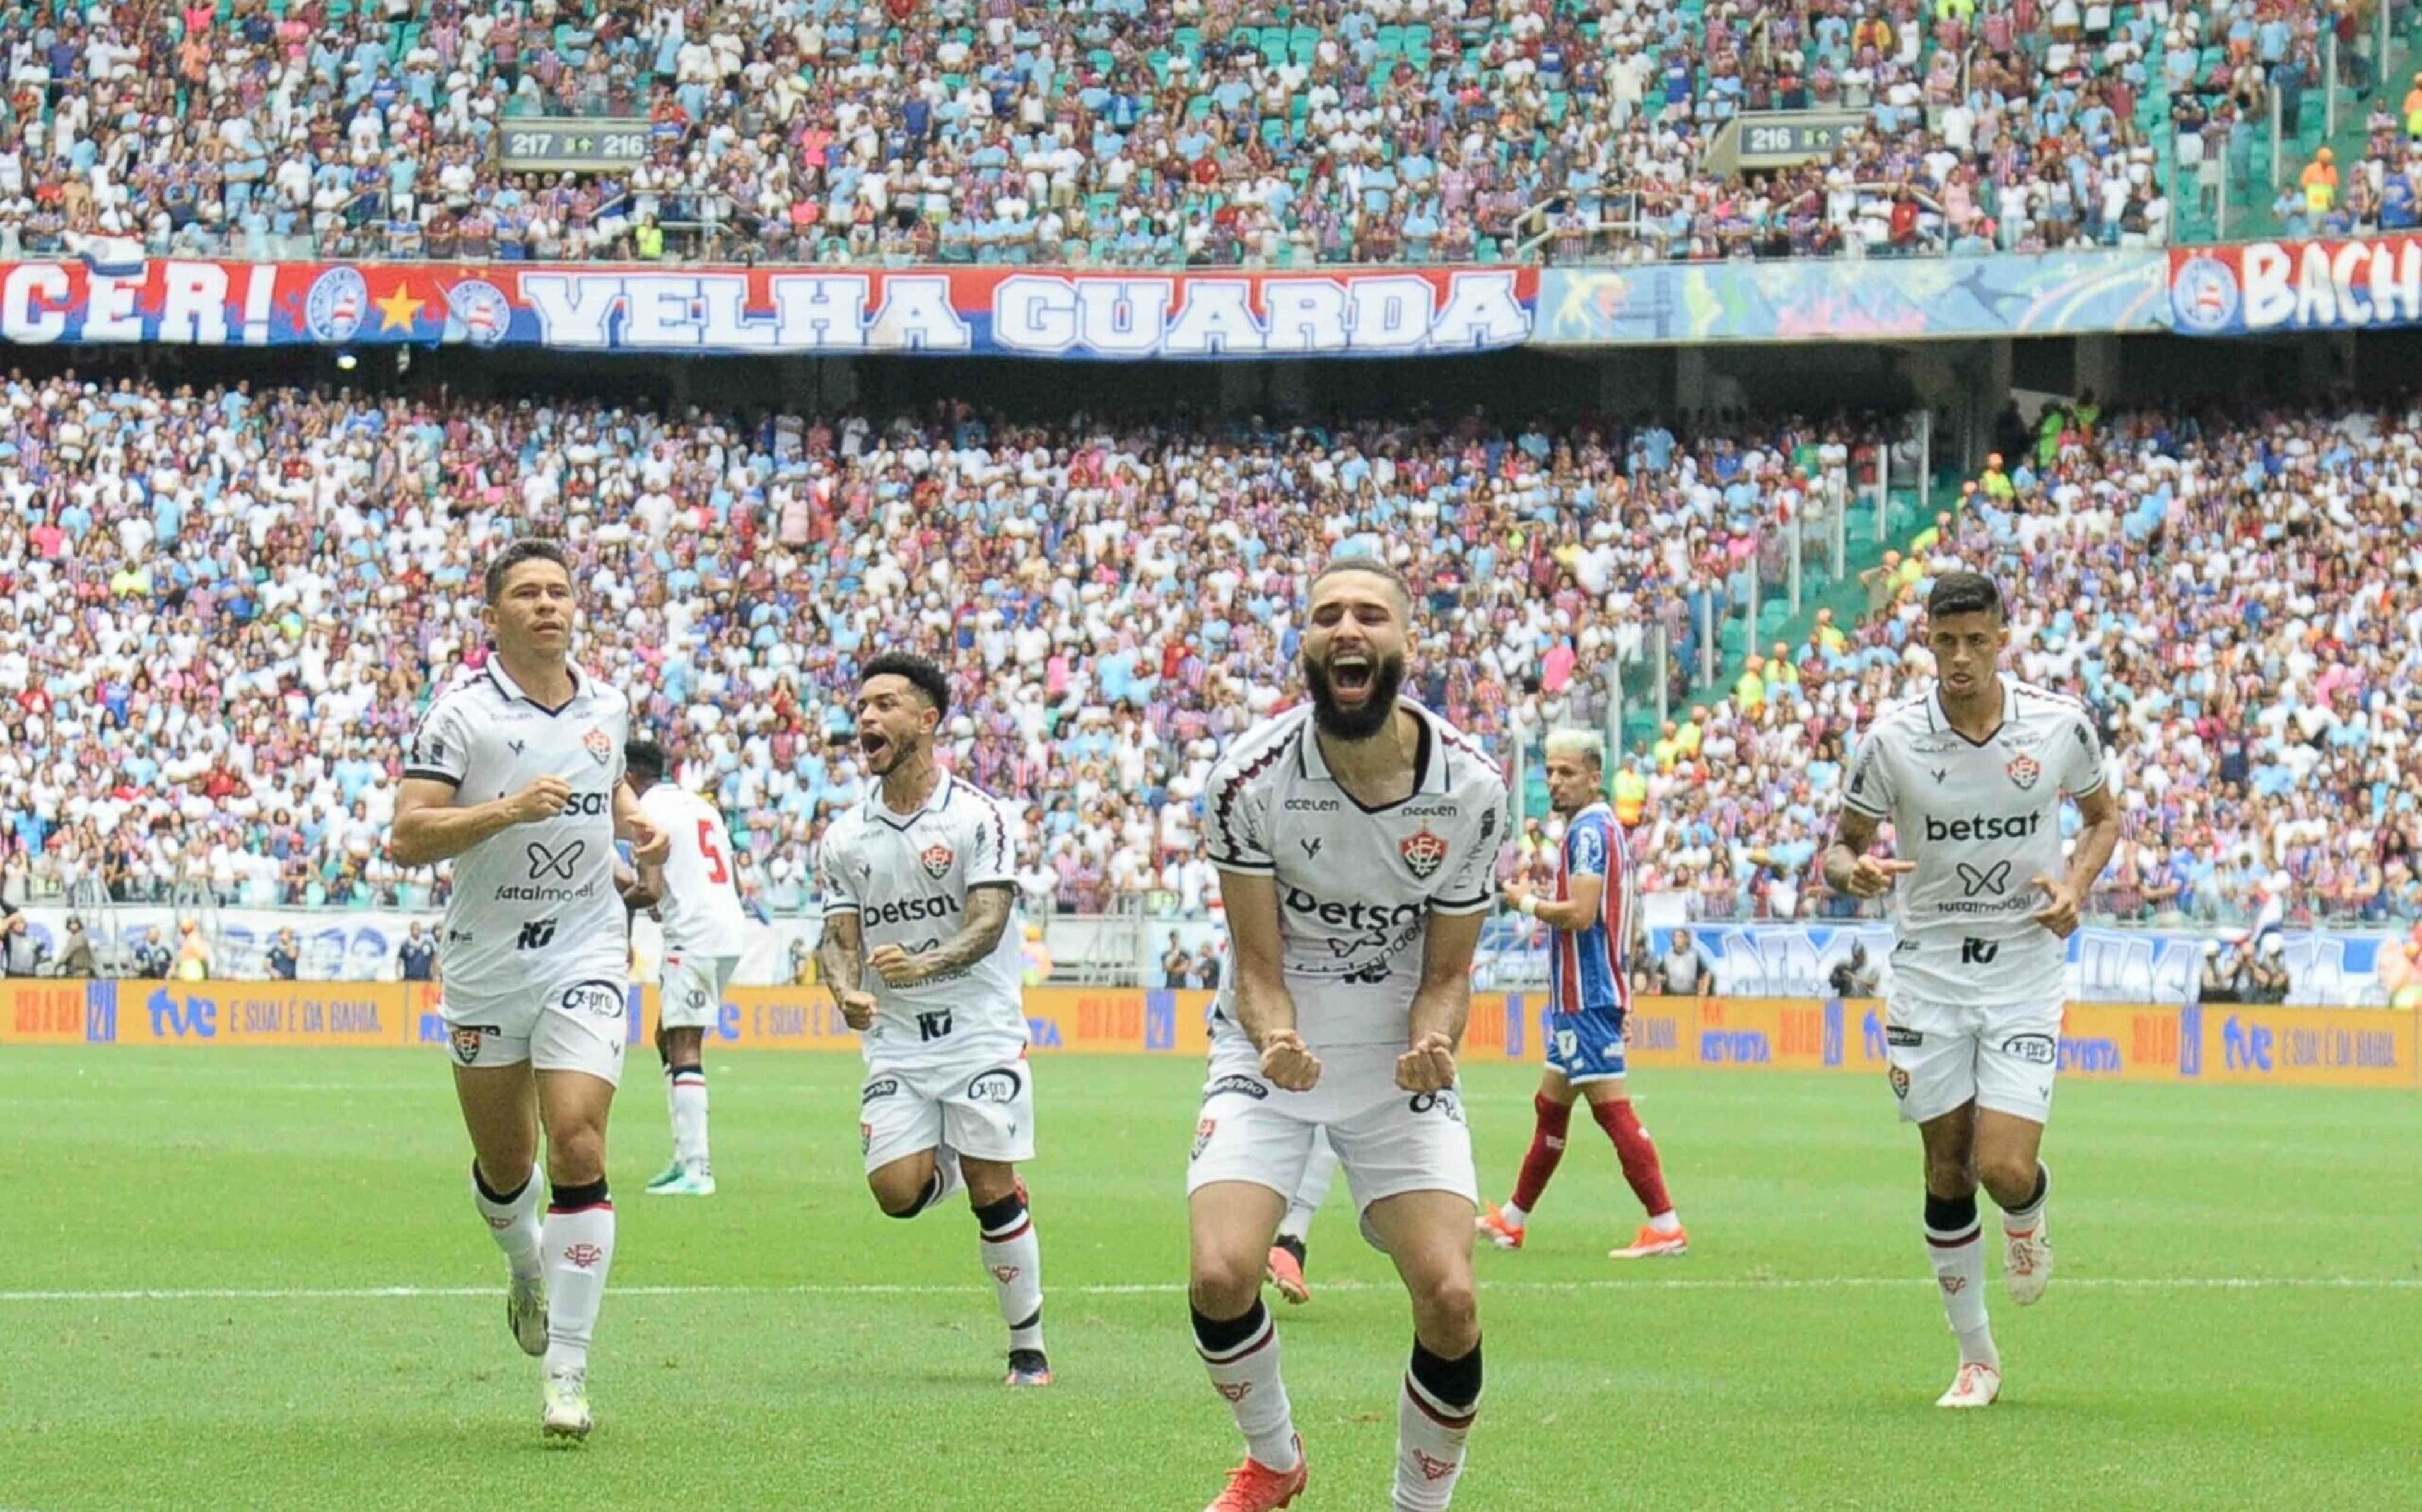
(1943, 1055)
(986, 1111)
(577, 1025)
(692, 994)
(1390, 1141)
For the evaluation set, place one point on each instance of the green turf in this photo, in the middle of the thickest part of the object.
(328, 1169)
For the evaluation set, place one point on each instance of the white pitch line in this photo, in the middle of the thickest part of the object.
(1158, 1289)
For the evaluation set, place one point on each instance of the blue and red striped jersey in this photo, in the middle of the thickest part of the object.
(1589, 962)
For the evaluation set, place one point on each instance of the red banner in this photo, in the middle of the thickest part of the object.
(2296, 285)
(1375, 312)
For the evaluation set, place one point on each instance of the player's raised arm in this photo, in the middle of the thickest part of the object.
(1442, 1003)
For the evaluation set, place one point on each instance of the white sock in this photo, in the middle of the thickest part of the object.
(1245, 1369)
(1014, 1257)
(579, 1252)
(1430, 1434)
(688, 1092)
(514, 1221)
(1513, 1214)
(1665, 1223)
(2024, 1219)
(1319, 1170)
(1959, 1255)
(946, 1165)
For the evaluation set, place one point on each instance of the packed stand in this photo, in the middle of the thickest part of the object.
(222, 611)
(1188, 133)
(2239, 603)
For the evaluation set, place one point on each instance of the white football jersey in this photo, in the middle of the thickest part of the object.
(1356, 887)
(1982, 821)
(701, 903)
(907, 876)
(534, 906)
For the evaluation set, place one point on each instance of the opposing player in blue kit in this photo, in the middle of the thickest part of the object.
(1589, 997)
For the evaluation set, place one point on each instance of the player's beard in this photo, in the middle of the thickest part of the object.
(889, 758)
(1360, 723)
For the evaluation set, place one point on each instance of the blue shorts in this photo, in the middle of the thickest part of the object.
(1586, 1046)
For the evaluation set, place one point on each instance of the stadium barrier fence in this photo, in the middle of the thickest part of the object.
(2149, 1042)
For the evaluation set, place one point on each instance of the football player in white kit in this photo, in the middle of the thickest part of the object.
(1971, 777)
(1356, 838)
(922, 952)
(517, 774)
(705, 933)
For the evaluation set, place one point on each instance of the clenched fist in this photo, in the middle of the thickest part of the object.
(1287, 1062)
(542, 800)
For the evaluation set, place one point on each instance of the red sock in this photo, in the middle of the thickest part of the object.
(1638, 1153)
(1546, 1148)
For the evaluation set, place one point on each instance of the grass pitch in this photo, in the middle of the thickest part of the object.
(253, 1279)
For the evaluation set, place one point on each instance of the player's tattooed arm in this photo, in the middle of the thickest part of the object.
(839, 957)
(987, 919)
(1848, 869)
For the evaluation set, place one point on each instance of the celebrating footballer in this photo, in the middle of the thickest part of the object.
(1355, 839)
(1972, 775)
(922, 953)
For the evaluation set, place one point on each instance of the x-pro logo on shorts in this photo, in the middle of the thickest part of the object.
(558, 864)
(1974, 879)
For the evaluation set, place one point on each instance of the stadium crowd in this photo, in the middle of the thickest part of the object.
(221, 610)
(1198, 132)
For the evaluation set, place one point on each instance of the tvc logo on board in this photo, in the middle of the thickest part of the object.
(173, 1018)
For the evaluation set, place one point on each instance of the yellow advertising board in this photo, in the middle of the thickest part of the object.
(2279, 1046)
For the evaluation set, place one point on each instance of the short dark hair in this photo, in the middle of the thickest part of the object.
(1376, 566)
(929, 680)
(1963, 593)
(529, 549)
(645, 759)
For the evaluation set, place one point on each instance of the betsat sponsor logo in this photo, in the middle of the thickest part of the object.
(1983, 827)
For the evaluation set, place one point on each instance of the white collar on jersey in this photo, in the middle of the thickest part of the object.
(1938, 718)
(1429, 762)
(513, 690)
(898, 821)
